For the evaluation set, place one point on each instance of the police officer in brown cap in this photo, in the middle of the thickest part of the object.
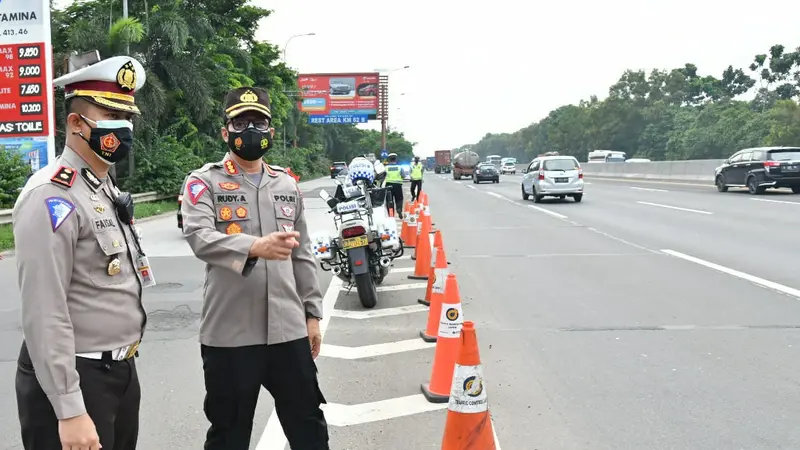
(81, 274)
(262, 304)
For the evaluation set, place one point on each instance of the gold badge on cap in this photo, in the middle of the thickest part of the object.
(114, 267)
(126, 76)
(249, 97)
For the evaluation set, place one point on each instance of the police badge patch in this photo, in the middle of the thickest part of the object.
(195, 189)
(60, 209)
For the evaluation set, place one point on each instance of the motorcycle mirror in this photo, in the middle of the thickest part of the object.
(323, 194)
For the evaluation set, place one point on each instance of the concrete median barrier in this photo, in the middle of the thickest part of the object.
(691, 170)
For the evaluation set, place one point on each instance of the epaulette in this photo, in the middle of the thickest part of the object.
(274, 171)
(65, 176)
(208, 167)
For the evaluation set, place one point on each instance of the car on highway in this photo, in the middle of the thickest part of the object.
(553, 176)
(486, 172)
(508, 167)
(337, 167)
(759, 169)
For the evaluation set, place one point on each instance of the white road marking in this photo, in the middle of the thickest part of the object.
(382, 312)
(774, 201)
(675, 208)
(547, 211)
(371, 351)
(537, 208)
(401, 270)
(744, 276)
(273, 437)
(470, 186)
(648, 189)
(610, 236)
(347, 415)
(397, 287)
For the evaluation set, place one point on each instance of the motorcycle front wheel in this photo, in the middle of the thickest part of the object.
(367, 292)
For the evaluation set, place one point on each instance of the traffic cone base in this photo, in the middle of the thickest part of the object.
(431, 396)
(425, 337)
(422, 301)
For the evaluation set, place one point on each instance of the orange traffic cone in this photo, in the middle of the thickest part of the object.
(437, 240)
(447, 344)
(410, 240)
(423, 252)
(404, 226)
(469, 425)
(434, 251)
(436, 283)
(427, 219)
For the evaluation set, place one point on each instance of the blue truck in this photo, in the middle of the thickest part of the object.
(430, 163)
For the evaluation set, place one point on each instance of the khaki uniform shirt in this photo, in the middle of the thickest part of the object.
(80, 289)
(249, 301)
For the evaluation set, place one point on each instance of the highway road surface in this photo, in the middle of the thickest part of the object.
(649, 316)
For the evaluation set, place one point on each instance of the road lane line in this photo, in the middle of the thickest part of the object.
(744, 276)
(547, 211)
(675, 208)
(648, 189)
(610, 236)
(371, 351)
(381, 312)
(774, 201)
(347, 415)
(398, 287)
(401, 270)
(273, 437)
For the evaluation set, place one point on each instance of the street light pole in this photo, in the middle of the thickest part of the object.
(294, 102)
(383, 101)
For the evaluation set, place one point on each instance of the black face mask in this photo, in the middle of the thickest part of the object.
(111, 140)
(250, 144)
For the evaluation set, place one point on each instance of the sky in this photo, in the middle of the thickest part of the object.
(498, 66)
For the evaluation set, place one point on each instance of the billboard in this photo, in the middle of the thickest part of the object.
(26, 86)
(339, 97)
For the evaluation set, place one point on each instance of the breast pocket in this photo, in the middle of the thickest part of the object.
(111, 266)
(285, 215)
(233, 218)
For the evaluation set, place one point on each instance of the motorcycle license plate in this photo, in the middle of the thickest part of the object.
(359, 241)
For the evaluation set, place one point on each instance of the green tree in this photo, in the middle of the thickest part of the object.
(14, 171)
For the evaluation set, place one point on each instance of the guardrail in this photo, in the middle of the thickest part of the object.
(5, 214)
(690, 170)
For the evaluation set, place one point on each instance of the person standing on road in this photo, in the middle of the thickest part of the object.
(416, 178)
(81, 274)
(394, 181)
(262, 303)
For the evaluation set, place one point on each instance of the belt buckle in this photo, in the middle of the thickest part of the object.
(132, 349)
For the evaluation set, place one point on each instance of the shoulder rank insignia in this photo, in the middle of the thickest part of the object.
(90, 178)
(60, 209)
(230, 168)
(65, 176)
(229, 185)
(233, 228)
(273, 171)
(195, 189)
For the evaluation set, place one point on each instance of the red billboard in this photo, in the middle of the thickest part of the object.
(353, 95)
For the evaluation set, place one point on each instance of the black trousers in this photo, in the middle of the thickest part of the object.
(416, 188)
(234, 376)
(397, 197)
(111, 394)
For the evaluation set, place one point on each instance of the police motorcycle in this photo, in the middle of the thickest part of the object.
(366, 239)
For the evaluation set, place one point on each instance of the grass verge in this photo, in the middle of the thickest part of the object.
(142, 210)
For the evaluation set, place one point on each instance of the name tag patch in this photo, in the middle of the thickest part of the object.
(286, 198)
(230, 198)
(103, 224)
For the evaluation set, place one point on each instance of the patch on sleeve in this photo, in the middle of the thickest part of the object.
(60, 209)
(195, 189)
(65, 176)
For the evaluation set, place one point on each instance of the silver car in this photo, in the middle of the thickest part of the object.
(553, 176)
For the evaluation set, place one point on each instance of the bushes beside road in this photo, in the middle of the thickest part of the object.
(674, 114)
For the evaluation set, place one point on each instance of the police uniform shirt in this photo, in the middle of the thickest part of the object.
(80, 289)
(249, 301)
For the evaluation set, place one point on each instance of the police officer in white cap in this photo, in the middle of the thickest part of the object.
(81, 274)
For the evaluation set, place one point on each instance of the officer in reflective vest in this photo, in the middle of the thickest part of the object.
(394, 181)
(416, 178)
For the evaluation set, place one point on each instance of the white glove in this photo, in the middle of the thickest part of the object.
(139, 233)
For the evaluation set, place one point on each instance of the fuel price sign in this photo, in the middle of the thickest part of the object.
(26, 87)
